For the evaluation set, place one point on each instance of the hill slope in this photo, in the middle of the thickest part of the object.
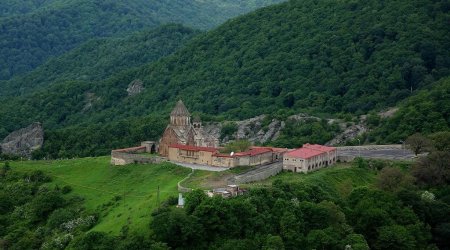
(41, 32)
(107, 191)
(298, 56)
(100, 58)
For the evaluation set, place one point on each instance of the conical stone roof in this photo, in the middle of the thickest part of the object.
(180, 110)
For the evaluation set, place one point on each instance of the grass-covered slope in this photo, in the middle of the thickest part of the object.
(29, 39)
(100, 58)
(122, 196)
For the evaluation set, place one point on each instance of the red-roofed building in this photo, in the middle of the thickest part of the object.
(308, 158)
(211, 156)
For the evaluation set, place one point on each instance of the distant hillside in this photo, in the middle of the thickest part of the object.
(33, 31)
(100, 58)
(428, 111)
(322, 57)
(17, 7)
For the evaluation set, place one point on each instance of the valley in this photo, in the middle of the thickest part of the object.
(307, 124)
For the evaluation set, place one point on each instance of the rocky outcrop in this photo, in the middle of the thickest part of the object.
(24, 141)
(349, 133)
(254, 129)
(135, 87)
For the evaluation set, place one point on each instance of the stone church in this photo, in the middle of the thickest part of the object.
(181, 130)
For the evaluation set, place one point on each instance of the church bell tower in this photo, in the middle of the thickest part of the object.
(180, 116)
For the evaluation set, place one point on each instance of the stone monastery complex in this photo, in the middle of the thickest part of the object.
(184, 141)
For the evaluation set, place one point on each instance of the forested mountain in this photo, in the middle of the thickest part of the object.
(48, 28)
(301, 56)
(18, 7)
(100, 58)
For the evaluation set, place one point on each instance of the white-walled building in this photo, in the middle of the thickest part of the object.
(309, 158)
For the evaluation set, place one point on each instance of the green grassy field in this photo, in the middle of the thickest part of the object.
(123, 195)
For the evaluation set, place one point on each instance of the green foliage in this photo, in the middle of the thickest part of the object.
(433, 169)
(295, 134)
(103, 191)
(350, 62)
(228, 130)
(426, 112)
(49, 28)
(308, 213)
(237, 146)
(32, 214)
(100, 58)
(441, 140)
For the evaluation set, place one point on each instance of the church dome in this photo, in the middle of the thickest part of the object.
(180, 110)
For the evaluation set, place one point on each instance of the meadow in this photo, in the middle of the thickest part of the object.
(122, 196)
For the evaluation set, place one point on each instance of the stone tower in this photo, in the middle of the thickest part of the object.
(182, 131)
(197, 122)
(180, 116)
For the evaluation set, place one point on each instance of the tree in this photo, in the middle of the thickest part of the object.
(392, 179)
(434, 169)
(441, 140)
(273, 242)
(356, 242)
(194, 199)
(395, 237)
(417, 143)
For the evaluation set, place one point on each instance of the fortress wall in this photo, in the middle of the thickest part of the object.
(124, 158)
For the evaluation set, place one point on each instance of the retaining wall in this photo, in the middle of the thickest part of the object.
(124, 158)
(257, 176)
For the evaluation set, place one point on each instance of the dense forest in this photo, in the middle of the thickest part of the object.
(49, 28)
(100, 58)
(323, 58)
(426, 112)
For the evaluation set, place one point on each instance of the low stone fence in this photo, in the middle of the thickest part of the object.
(258, 174)
(120, 158)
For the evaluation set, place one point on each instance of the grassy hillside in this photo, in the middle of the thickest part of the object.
(122, 196)
(29, 39)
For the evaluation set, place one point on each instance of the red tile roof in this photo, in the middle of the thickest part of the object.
(193, 148)
(308, 151)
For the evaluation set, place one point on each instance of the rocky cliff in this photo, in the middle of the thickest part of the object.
(260, 130)
(24, 141)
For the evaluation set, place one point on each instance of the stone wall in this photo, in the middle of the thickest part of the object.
(125, 158)
(261, 173)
